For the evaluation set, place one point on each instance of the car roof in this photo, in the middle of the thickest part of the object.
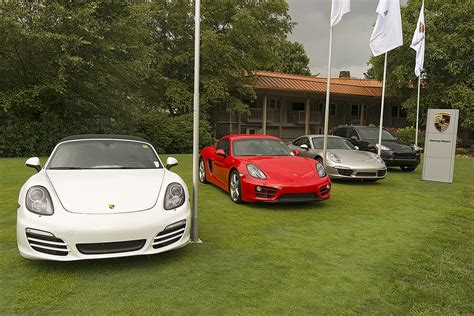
(245, 136)
(103, 136)
(320, 136)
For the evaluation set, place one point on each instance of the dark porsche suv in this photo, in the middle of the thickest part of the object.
(394, 152)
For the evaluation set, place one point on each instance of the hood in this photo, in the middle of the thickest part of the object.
(284, 168)
(395, 145)
(355, 158)
(107, 191)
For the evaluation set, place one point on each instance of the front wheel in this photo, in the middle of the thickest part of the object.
(202, 171)
(408, 168)
(235, 188)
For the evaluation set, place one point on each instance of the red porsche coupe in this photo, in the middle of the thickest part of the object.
(259, 168)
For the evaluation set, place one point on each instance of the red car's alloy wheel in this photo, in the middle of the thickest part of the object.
(202, 171)
(235, 187)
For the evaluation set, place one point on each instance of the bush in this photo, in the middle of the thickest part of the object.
(168, 134)
(407, 134)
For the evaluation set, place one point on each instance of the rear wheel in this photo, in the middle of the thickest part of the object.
(235, 189)
(202, 171)
(408, 168)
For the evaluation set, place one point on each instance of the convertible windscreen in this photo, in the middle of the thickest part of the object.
(333, 143)
(104, 154)
(260, 147)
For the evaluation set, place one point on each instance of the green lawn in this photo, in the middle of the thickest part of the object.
(400, 246)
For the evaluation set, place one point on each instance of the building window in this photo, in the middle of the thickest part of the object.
(403, 113)
(274, 104)
(321, 108)
(394, 110)
(355, 110)
(297, 106)
(332, 109)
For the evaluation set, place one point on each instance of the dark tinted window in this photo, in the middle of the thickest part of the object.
(352, 132)
(373, 133)
(341, 132)
(297, 142)
(305, 141)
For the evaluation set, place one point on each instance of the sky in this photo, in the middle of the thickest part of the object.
(350, 50)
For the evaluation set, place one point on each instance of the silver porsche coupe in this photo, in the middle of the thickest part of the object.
(344, 160)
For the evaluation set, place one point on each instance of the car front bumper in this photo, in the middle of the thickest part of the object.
(313, 189)
(66, 236)
(399, 160)
(345, 172)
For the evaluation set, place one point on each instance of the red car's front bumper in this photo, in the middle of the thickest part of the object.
(313, 189)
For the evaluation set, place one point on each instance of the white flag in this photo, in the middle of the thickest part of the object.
(338, 9)
(418, 42)
(387, 33)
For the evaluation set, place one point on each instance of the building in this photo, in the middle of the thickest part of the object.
(288, 106)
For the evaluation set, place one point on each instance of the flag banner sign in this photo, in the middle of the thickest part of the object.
(338, 9)
(387, 33)
(440, 145)
(418, 42)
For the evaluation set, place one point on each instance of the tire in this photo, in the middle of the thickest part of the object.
(235, 187)
(408, 168)
(202, 171)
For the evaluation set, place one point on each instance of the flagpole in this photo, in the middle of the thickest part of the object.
(328, 90)
(417, 110)
(197, 31)
(382, 106)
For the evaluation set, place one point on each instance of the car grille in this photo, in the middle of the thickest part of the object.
(404, 156)
(366, 174)
(169, 236)
(266, 192)
(47, 244)
(298, 197)
(345, 172)
(111, 247)
(381, 173)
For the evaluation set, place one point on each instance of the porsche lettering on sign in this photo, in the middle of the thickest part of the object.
(440, 145)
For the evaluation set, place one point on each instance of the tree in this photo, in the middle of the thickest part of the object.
(448, 60)
(293, 58)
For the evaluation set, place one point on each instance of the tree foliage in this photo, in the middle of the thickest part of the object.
(448, 63)
(127, 67)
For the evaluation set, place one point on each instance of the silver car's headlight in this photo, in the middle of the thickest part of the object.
(255, 171)
(174, 196)
(334, 158)
(379, 159)
(39, 201)
(320, 169)
(383, 147)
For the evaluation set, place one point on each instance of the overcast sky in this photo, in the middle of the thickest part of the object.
(351, 36)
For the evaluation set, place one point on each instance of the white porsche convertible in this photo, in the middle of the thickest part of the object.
(102, 196)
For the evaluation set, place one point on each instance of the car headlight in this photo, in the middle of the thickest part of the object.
(334, 158)
(255, 171)
(174, 196)
(382, 147)
(320, 169)
(416, 148)
(379, 159)
(39, 201)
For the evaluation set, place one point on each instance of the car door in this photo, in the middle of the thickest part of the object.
(222, 164)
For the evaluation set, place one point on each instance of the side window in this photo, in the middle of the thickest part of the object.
(225, 145)
(297, 142)
(305, 141)
(352, 132)
(340, 132)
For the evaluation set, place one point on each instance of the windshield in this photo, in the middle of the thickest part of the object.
(373, 133)
(260, 147)
(333, 143)
(104, 154)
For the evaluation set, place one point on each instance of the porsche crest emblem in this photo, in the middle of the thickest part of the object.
(441, 121)
(111, 206)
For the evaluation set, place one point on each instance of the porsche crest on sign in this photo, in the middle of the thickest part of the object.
(441, 121)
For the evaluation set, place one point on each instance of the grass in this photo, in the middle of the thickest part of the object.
(399, 246)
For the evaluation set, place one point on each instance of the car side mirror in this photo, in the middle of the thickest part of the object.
(304, 146)
(34, 162)
(220, 152)
(296, 152)
(171, 162)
